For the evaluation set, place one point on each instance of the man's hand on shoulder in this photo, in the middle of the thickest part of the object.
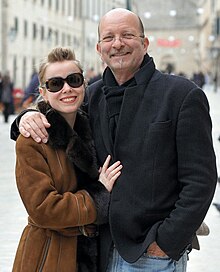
(33, 124)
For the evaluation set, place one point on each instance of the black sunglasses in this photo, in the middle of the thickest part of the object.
(55, 84)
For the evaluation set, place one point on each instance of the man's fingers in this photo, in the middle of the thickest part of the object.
(24, 132)
(34, 125)
(38, 131)
(45, 122)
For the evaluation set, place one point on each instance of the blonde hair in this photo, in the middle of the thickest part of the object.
(57, 54)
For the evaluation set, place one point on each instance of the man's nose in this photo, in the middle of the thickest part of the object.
(118, 41)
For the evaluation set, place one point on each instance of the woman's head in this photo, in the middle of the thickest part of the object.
(62, 81)
(57, 54)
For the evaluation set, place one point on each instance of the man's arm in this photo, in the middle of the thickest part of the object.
(32, 123)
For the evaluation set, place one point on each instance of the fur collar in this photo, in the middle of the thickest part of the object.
(77, 142)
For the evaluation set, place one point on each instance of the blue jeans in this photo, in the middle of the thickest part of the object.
(146, 263)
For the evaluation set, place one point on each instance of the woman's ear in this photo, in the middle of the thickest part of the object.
(42, 92)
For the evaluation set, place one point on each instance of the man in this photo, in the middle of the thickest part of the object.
(159, 127)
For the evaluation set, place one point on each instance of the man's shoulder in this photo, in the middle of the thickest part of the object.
(94, 89)
(173, 82)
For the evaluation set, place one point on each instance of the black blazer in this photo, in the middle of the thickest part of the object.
(164, 141)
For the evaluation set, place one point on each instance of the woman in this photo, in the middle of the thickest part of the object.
(58, 182)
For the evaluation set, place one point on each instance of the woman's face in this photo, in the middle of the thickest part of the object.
(67, 100)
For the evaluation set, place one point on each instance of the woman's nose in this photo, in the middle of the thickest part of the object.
(66, 86)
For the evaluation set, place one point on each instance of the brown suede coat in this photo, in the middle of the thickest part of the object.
(47, 183)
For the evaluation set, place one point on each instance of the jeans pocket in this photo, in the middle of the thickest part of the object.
(156, 257)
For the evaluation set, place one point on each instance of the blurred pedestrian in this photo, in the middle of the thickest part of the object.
(32, 91)
(97, 76)
(199, 79)
(7, 96)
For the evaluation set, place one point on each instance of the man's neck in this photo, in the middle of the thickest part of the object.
(122, 78)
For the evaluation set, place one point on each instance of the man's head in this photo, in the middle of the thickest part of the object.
(122, 44)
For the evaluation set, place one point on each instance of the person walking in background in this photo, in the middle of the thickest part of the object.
(32, 91)
(59, 183)
(159, 127)
(97, 76)
(199, 79)
(7, 97)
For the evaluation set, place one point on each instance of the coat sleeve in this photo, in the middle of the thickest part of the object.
(197, 175)
(44, 204)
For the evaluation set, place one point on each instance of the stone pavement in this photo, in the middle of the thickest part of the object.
(13, 216)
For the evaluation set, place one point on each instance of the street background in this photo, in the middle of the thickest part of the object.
(13, 217)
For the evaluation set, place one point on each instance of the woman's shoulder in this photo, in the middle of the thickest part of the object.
(24, 144)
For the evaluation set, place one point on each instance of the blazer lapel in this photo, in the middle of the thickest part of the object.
(130, 109)
(135, 104)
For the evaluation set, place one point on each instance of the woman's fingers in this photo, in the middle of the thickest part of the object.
(112, 173)
(106, 163)
(109, 174)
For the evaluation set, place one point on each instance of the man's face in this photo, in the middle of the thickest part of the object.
(122, 46)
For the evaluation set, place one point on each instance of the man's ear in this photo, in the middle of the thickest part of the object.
(98, 49)
(145, 43)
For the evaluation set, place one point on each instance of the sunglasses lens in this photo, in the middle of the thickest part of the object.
(55, 84)
(75, 80)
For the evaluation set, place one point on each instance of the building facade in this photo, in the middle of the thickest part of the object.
(30, 28)
(184, 35)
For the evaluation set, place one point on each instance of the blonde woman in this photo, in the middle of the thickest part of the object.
(62, 190)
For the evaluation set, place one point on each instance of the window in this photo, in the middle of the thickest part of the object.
(49, 37)
(14, 76)
(63, 42)
(57, 5)
(63, 6)
(34, 31)
(42, 33)
(16, 24)
(50, 4)
(25, 28)
(56, 37)
(218, 26)
(24, 72)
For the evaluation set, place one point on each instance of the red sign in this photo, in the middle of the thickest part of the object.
(168, 43)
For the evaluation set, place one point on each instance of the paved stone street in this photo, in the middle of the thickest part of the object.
(13, 216)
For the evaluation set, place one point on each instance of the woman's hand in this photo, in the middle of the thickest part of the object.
(34, 124)
(109, 174)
